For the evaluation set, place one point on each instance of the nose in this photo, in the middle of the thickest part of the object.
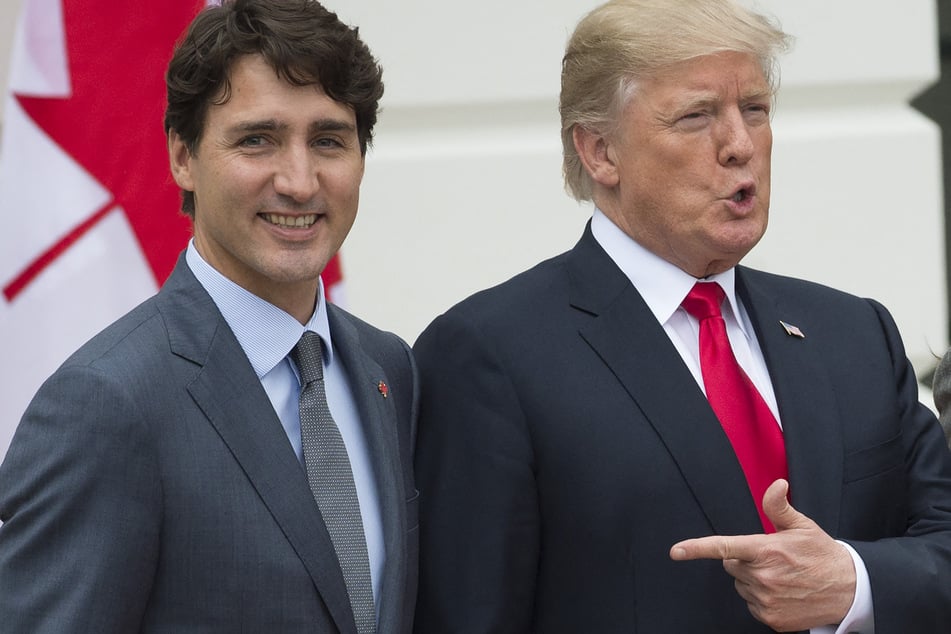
(296, 174)
(735, 140)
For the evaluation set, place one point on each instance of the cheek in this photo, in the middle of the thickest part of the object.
(765, 149)
(343, 186)
(242, 179)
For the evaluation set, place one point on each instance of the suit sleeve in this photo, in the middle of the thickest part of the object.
(942, 393)
(479, 517)
(910, 575)
(80, 501)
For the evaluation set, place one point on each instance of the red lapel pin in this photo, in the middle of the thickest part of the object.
(383, 388)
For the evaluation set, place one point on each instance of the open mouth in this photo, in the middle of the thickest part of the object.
(301, 222)
(743, 194)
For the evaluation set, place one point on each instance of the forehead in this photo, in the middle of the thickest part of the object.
(710, 77)
(257, 90)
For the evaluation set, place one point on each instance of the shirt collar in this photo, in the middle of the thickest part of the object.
(265, 332)
(662, 285)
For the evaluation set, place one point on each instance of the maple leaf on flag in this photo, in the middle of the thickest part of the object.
(111, 122)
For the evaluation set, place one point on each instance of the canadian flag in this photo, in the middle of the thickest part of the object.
(90, 212)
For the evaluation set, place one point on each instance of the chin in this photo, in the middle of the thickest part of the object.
(739, 242)
(728, 256)
(298, 266)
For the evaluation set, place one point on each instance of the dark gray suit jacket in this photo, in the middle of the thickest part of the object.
(563, 440)
(150, 486)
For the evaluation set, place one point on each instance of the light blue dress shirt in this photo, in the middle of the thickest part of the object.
(267, 334)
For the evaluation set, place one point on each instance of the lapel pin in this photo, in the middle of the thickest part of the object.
(383, 388)
(791, 330)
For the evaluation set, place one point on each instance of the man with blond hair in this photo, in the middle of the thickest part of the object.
(643, 435)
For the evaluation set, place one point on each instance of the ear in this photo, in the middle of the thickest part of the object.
(597, 155)
(179, 158)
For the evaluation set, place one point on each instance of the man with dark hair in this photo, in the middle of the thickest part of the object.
(642, 434)
(235, 453)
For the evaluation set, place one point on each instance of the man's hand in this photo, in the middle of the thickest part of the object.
(795, 579)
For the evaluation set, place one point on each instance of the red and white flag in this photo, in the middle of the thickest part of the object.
(90, 216)
(90, 211)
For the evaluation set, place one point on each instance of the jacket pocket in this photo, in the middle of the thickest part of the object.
(871, 461)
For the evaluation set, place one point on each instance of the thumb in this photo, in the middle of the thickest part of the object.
(778, 509)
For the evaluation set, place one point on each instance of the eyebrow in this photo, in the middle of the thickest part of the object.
(328, 124)
(696, 100)
(703, 99)
(756, 95)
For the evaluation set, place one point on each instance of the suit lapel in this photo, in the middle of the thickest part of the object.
(807, 404)
(379, 419)
(230, 395)
(633, 345)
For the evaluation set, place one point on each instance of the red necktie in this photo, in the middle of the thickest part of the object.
(749, 424)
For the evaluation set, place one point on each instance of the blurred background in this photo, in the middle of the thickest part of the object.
(463, 186)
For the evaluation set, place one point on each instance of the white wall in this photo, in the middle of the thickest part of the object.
(463, 188)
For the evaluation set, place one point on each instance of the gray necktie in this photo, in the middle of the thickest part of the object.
(331, 481)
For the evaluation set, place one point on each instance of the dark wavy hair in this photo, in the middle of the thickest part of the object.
(304, 43)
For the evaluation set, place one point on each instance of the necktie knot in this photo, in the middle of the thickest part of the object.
(308, 357)
(704, 299)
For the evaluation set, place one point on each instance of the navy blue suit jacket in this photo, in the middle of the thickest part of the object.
(566, 445)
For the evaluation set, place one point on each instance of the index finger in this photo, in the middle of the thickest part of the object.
(742, 547)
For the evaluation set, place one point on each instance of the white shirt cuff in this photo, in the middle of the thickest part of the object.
(860, 617)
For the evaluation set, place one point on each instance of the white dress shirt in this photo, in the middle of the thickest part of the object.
(663, 287)
(267, 335)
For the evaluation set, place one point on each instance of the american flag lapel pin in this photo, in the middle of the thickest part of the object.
(791, 330)
(383, 388)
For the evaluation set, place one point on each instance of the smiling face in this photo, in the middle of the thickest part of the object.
(687, 172)
(276, 177)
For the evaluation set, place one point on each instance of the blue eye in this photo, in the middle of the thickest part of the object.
(252, 141)
(757, 112)
(328, 142)
(693, 120)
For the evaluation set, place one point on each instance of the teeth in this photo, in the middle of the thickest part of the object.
(291, 221)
